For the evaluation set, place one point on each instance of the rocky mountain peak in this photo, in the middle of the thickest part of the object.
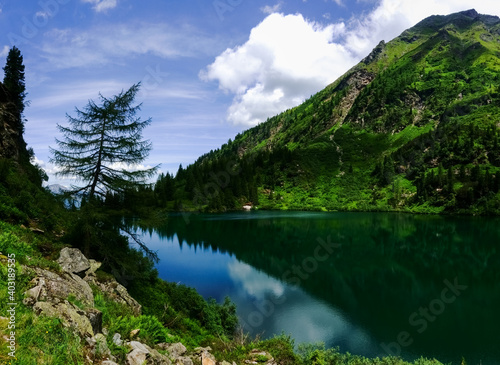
(471, 13)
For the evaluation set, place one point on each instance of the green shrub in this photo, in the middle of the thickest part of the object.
(317, 354)
(282, 349)
(171, 302)
(220, 318)
(109, 308)
(151, 330)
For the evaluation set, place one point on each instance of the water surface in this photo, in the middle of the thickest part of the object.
(370, 283)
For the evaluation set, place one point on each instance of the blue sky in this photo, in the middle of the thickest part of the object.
(209, 69)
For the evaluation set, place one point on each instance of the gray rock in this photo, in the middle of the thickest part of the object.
(136, 345)
(116, 292)
(184, 360)
(31, 295)
(49, 294)
(256, 356)
(206, 357)
(108, 362)
(73, 261)
(101, 346)
(138, 354)
(49, 286)
(117, 339)
(136, 357)
(91, 341)
(142, 354)
(199, 350)
(121, 292)
(94, 266)
(71, 316)
(174, 349)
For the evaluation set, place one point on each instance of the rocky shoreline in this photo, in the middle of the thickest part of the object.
(68, 295)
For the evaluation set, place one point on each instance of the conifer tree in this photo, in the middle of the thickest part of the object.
(14, 82)
(102, 143)
(99, 148)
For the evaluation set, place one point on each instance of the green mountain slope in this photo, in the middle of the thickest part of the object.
(413, 127)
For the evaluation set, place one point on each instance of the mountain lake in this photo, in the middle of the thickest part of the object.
(372, 284)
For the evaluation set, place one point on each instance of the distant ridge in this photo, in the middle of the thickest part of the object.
(57, 189)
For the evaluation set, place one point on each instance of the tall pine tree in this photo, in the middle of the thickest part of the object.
(14, 82)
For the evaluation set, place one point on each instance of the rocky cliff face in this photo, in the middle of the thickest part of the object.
(11, 138)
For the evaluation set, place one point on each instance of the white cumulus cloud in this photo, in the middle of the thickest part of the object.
(287, 57)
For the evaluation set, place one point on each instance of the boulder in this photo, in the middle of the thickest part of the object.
(260, 357)
(138, 354)
(116, 292)
(206, 357)
(174, 349)
(176, 352)
(52, 287)
(199, 350)
(50, 294)
(136, 357)
(101, 347)
(183, 360)
(142, 354)
(73, 261)
(71, 315)
(121, 294)
(69, 297)
(94, 266)
(117, 339)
